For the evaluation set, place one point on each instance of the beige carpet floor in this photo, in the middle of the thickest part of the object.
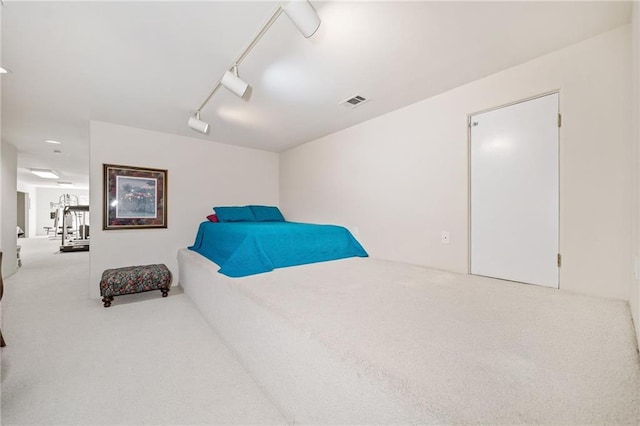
(461, 349)
(144, 360)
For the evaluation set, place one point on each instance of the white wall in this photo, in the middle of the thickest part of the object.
(46, 196)
(402, 178)
(8, 190)
(1, 198)
(634, 300)
(8, 198)
(201, 175)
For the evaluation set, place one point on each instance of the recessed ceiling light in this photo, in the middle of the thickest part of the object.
(52, 141)
(45, 173)
(3, 70)
(65, 184)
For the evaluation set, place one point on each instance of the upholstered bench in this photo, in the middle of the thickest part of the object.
(134, 279)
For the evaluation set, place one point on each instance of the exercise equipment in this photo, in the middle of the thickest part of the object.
(70, 221)
(75, 237)
(60, 222)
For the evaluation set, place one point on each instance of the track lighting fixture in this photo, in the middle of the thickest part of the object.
(196, 124)
(303, 16)
(233, 82)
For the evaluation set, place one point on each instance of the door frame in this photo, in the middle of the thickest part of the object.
(24, 205)
(560, 160)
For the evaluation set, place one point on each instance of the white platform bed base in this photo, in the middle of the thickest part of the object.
(307, 381)
(362, 341)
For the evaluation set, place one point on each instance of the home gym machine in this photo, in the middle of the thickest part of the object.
(76, 239)
(75, 226)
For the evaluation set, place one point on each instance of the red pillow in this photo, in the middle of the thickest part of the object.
(213, 218)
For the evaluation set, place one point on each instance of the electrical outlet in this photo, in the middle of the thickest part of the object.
(444, 237)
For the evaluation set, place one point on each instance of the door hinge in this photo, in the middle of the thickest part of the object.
(559, 260)
(559, 120)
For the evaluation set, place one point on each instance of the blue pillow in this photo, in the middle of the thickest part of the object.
(234, 214)
(267, 214)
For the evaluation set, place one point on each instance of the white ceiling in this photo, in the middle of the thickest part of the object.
(151, 64)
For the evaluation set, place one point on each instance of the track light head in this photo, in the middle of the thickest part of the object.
(303, 16)
(231, 81)
(196, 124)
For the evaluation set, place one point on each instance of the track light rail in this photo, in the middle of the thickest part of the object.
(274, 16)
(304, 18)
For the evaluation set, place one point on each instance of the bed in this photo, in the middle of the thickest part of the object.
(247, 248)
(357, 340)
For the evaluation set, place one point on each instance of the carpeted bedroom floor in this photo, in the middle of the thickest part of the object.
(149, 360)
(144, 360)
(460, 349)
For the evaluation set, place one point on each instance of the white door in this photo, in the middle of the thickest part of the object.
(515, 192)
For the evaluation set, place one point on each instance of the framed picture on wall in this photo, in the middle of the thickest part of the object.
(134, 197)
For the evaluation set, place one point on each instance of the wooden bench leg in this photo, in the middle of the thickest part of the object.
(165, 292)
(107, 301)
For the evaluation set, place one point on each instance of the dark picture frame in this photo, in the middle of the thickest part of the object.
(134, 197)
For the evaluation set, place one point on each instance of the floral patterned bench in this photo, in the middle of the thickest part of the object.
(134, 279)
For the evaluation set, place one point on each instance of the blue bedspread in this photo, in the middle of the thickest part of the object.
(247, 248)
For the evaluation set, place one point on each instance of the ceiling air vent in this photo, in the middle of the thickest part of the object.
(353, 101)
